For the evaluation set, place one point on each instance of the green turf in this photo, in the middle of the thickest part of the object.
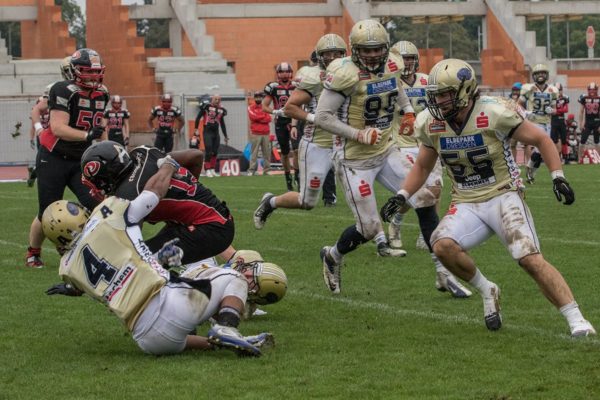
(389, 335)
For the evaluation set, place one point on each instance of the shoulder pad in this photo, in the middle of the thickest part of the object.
(270, 87)
(526, 88)
(308, 78)
(342, 74)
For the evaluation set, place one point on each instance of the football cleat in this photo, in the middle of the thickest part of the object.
(491, 308)
(395, 240)
(446, 282)
(582, 329)
(32, 176)
(384, 250)
(261, 341)
(421, 245)
(529, 175)
(263, 211)
(228, 337)
(331, 271)
(34, 261)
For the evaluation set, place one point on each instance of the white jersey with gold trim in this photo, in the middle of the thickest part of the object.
(310, 79)
(110, 262)
(536, 101)
(418, 99)
(478, 158)
(370, 102)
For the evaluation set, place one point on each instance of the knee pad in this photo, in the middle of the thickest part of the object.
(350, 239)
(536, 159)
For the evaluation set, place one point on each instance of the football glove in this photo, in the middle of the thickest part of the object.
(170, 255)
(95, 133)
(63, 288)
(407, 125)
(278, 113)
(391, 207)
(370, 136)
(562, 188)
(169, 160)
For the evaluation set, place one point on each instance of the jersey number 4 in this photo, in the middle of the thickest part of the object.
(97, 270)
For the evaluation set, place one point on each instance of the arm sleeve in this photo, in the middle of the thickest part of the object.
(325, 116)
(222, 123)
(404, 102)
(198, 117)
(141, 206)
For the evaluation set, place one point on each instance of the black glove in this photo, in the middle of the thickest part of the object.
(63, 288)
(95, 133)
(391, 207)
(562, 188)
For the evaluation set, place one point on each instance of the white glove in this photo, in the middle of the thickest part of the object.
(278, 113)
(169, 256)
(169, 160)
(549, 110)
(370, 136)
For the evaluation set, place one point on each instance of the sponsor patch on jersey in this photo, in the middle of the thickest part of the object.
(482, 120)
(461, 142)
(423, 81)
(100, 104)
(381, 87)
(415, 92)
(84, 103)
(392, 66)
(282, 92)
(364, 189)
(437, 126)
(118, 284)
(364, 75)
(315, 182)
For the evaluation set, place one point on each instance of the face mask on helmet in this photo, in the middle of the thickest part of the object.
(87, 68)
(62, 221)
(451, 86)
(116, 102)
(592, 89)
(166, 101)
(105, 164)
(410, 56)
(65, 69)
(284, 72)
(327, 56)
(370, 44)
(267, 283)
(328, 48)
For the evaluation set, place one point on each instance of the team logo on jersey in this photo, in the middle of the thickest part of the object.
(482, 120)
(423, 81)
(91, 168)
(364, 189)
(100, 104)
(437, 126)
(382, 87)
(461, 142)
(392, 66)
(315, 183)
(415, 92)
(84, 103)
(452, 210)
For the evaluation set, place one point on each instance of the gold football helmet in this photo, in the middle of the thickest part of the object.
(269, 283)
(329, 47)
(456, 78)
(370, 45)
(410, 55)
(65, 69)
(540, 73)
(62, 220)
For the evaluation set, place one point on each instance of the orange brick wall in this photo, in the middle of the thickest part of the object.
(124, 55)
(581, 78)
(501, 63)
(428, 58)
(48, 37)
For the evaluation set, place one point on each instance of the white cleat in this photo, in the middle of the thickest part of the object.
(331, 271)
(421, 245)
(446, 282)
(263, 211)
(582, 328)
(394, 237)
(491, 308)
(385, 250)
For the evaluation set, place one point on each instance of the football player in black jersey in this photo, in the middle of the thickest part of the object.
(116, 121)
(76, 106)
(167, 116)
(213, 116)
(278, 94)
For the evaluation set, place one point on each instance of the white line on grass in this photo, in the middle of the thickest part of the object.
(445, 318)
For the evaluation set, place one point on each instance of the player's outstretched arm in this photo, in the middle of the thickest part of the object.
(191, 159)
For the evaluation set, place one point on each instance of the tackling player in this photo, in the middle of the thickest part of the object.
(76, 106)
(168, 116)
(108, 260)
(367, 87)
(539, 101)
(471, 134)
(116, 121)
(277, 94)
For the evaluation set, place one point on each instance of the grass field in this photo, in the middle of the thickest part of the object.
(389, 335)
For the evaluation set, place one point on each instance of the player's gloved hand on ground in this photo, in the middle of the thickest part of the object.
(370, 136)
(63, 288)
(392, 206)
(95, 133)
(170, 255)
(407, 125)
(562, 188)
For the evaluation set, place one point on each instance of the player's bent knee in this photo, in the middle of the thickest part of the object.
(444, 246)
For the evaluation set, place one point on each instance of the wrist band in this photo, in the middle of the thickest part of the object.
(38, 126)
(404, 193)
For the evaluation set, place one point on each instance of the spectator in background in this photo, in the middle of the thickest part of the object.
(116, 120)
(167, 116)
(259, 134)
(558, 128)
(212, 116)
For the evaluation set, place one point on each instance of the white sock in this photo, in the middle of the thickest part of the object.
(480, 282)
(397, 219)
(336, 255)
(380, 238)
(272, 202)
(572, 313)
(438, 264)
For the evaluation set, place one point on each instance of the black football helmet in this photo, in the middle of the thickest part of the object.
(87, 68)
(105, 164)
(284, 72)
(166, 101)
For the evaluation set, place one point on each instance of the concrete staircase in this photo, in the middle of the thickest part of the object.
(525, 41)
(195, 29)
(28, 77)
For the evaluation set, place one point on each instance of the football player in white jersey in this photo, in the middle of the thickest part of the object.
(316, 146)
(107, 259)
(366, 91)
(414, 84)
(539, 101)
(472, 135)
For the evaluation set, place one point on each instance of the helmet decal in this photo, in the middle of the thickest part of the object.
(464, 74)
(91, 168)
